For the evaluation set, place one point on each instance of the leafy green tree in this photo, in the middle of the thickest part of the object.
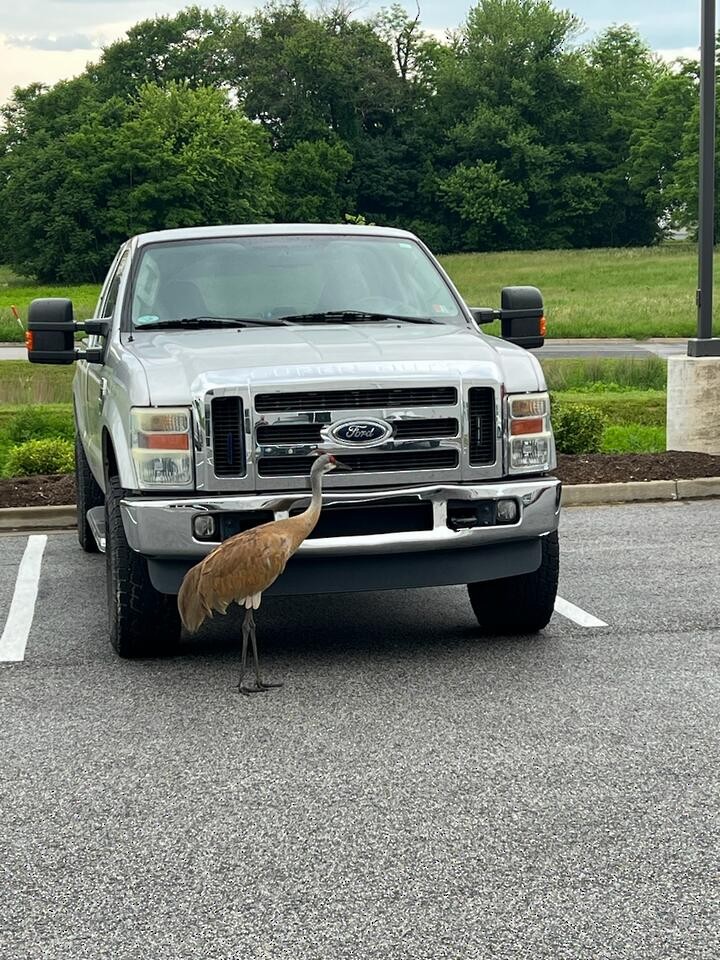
(622, 75)
(507, 135)
(172, 157)
(490, 205)
(512, 100)
(313, 182)
(307, 78)
(192, 48)
(664, 147)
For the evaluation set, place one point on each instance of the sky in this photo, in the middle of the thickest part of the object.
(48, 40)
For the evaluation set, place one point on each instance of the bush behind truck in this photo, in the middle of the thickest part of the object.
(220, 359)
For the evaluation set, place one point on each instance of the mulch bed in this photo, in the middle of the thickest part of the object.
(55, 490)
(619, 467)
(59, 489)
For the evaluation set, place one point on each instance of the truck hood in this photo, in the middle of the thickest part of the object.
(180, 363)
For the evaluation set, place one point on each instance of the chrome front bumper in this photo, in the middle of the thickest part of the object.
(162, 528)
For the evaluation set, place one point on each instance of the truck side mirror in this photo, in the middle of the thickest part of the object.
(50, 336)
(522, 316)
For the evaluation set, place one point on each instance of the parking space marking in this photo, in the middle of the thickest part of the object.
(22, 609)
(576, 614)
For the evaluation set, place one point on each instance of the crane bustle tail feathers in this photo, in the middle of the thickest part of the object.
(191, 604)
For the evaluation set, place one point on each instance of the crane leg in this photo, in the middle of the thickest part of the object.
(261, 685)
(243, 661)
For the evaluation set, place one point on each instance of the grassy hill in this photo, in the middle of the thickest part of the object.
(638, 292)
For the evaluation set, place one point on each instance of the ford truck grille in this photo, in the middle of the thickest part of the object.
(227, 431)
(442, 459)
(481, 407)
(412, 429)
(356, 399)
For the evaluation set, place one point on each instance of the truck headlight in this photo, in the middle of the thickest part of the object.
(161, 448)
(529, 433)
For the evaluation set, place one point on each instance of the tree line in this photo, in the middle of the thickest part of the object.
(509, 135)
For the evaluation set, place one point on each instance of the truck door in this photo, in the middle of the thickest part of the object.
(96, 380)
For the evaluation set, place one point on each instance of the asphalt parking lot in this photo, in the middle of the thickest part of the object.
(413, 791)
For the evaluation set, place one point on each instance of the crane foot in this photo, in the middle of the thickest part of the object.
(262, 687)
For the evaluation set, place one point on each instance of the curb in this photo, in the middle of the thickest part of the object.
(638, 491)
(22, 519)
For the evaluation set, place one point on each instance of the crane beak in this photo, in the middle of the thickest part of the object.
(341, 466)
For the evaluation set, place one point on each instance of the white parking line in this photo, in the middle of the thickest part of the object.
(22, 608)
(577, 615)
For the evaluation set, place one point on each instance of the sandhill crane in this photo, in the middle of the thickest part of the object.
(245, 565)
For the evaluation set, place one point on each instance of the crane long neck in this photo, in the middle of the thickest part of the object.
(304, 523)
(316, 499)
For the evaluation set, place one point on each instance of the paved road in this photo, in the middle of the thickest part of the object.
(553, 348)
(561, 349)
(11, 352)
(414, 791)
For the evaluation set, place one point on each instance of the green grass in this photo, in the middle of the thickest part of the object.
(8, 411)
(606, 375)
(19, 291)
(22, 383)
(645, 407)
(633, 438)
(637, 292)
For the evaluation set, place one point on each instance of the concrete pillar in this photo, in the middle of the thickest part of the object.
(693, 404)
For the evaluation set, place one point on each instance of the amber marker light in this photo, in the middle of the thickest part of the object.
(521, 427)
(543, 326)
(164, 441)
(29, 340)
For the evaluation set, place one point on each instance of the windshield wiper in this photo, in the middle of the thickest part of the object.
(348, 316)
(198, 323)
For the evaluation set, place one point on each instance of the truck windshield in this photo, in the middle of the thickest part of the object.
(267, 278)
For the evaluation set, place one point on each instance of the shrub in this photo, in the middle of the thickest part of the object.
(40, 423)
(52, 455)
(577, 428)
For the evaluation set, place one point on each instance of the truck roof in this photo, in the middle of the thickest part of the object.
(268, 230)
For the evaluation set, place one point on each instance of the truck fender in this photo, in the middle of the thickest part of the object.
(116, 449)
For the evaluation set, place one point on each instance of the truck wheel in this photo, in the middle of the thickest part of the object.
(88, 494)
(143, 622)
(522, 604)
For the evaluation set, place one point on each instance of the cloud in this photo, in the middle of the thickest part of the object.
(72, 41)
(676, 53)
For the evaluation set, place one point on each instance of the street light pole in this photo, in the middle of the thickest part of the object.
(705, 345)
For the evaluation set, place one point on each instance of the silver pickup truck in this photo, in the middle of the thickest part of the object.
(221, 358)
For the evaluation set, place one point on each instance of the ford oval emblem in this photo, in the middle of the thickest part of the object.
(368, 432)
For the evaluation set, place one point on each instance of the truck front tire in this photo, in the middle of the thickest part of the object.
(88, 494)
(143, 622)
(522, 604)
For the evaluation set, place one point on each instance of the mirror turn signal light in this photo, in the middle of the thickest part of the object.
(543, 326)
(29, 340)
(527, 425)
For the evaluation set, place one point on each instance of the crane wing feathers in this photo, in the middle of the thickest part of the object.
(242, 566)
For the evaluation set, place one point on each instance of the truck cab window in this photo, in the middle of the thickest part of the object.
(109, 300)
